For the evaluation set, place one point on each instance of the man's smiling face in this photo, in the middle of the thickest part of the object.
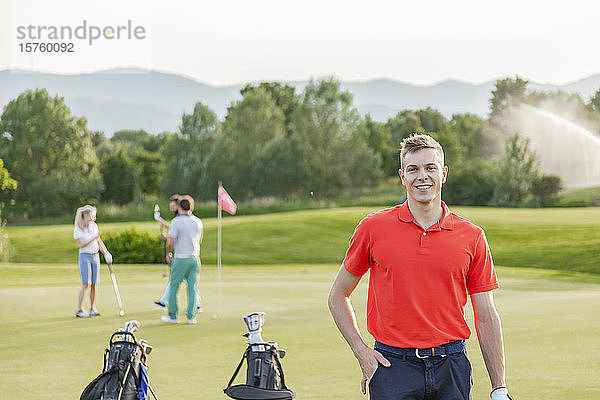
(423, 174)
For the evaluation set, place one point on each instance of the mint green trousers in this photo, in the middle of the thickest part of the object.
(183, 269)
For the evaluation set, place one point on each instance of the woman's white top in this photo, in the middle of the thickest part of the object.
(87, 234)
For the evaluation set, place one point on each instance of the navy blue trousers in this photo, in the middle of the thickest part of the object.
(432, 378)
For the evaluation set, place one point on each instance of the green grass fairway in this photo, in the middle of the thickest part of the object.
(550, 319)
(562, 238)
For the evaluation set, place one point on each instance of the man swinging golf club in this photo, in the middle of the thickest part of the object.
(423, 260)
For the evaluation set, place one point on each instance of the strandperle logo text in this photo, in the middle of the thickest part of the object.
(91, 33)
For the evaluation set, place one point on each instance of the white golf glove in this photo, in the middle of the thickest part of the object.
(500, 393)
(108, 258)
(156, 212)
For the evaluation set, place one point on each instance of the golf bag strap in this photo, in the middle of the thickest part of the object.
(105, 359)
(239, 366)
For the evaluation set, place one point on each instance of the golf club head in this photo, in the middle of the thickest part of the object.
(132, 326)
(156, 212)
(145, 346)
(255, 321)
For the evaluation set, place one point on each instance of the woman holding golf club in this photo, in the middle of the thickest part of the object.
(87, 236)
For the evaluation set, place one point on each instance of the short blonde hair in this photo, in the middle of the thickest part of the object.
(416, 142)
(81, 212)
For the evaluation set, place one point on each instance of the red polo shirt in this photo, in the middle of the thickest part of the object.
(419, 280)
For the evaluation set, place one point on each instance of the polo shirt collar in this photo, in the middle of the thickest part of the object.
(446, 222)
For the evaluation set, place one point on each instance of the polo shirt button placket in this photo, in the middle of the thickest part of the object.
(422, 241)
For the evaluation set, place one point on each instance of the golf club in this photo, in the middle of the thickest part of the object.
(114, 281)
(132, 326)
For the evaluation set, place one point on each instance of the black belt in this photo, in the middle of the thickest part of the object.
(442, 350)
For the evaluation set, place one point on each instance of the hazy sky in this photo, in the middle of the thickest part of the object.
(227, 42)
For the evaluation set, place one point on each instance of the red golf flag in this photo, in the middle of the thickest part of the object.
(226, 202)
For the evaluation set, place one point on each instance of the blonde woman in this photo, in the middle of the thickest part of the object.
(87, 235)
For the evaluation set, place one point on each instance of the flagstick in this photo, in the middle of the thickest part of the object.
(219, 257)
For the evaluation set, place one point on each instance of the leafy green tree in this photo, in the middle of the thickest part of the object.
(119, 175)
(280, 169)
(432, 120)
(102, 145)
(363, 164)
(6, 182)
(250, 124)
(453, 148)
(470, 130)
(517, 171)
(545, 189)
(49, 152)
(472, 183)
(283, 95)
(150, 167)
(402, 125)
(595, 101)
(130, 137)
(221, 167)
(508, 91)
(379, 139)
(338, 156)
(426, 121)
(97, 138)
(143, 149)
(186, 153)
(136, 140)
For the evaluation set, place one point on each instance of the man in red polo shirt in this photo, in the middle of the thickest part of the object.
(424, 261)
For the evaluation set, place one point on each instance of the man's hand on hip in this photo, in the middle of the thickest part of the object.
(500, 393)
(369, 359)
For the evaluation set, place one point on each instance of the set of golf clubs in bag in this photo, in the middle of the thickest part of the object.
(125, 375)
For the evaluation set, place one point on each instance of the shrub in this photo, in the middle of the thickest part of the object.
(471, 183)
(134, 247)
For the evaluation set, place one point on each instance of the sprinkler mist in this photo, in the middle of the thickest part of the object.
(562, 147)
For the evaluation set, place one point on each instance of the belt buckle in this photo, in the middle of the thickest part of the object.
(419, 356)
(432, 353)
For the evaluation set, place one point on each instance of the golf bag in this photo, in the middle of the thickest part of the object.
(124, 375)
(264, 376)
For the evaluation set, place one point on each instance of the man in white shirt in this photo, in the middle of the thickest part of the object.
(185, 235)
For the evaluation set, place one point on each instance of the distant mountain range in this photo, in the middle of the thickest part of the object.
(154, 101)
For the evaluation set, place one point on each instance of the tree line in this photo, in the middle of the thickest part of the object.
(273, 142)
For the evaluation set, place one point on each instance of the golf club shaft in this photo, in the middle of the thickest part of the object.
(114, 281)
(152, 391)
